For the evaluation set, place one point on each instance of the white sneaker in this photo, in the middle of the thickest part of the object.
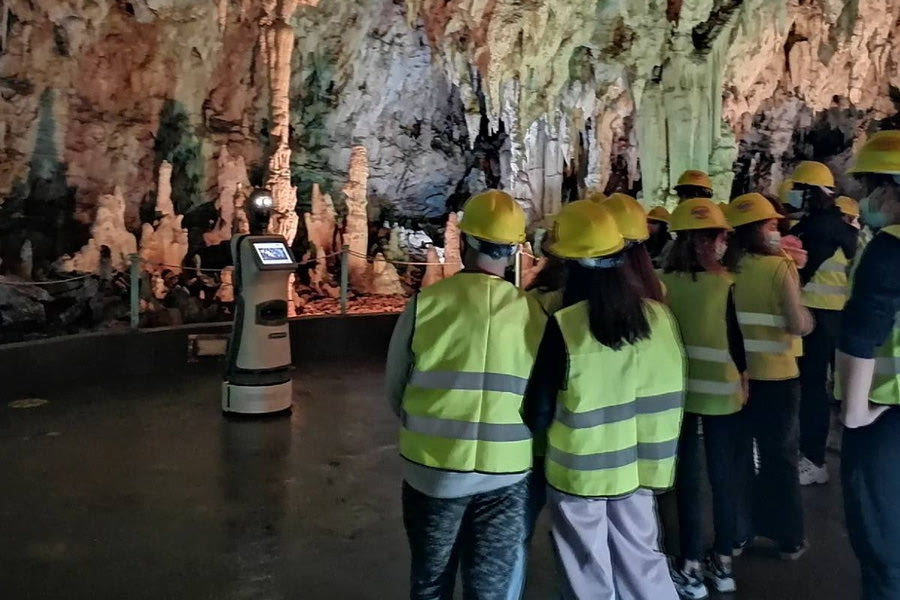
(717, 570)
(810, 473)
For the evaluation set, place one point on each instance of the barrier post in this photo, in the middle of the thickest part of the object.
(345, 277)
(135, 299)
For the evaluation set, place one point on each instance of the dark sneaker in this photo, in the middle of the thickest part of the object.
(742, 545)
(717, 570)
(688, 581)
(794, 552)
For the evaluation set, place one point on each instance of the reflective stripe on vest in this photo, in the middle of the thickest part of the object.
(466, 430)
(708, 354)
(713, 388)
(747, 318)
(619, 414)
(828, 288)
(474, 346)
(458, 380)
(614, 458)
(771, 349)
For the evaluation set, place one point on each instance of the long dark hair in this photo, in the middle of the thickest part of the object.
(683, 256)
(749, 239)
(615, 308)
(639, 269)
(658, 240)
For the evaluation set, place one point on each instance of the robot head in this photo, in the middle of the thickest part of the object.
(259, 210)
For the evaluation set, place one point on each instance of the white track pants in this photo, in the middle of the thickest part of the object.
(609, 549)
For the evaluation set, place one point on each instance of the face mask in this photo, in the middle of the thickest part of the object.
(721, 248)
(795, 198)
(773, 240)
(871, 213)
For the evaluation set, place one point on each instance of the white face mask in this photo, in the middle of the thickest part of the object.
(795, 198)
(773, 240)
(870, 208)
(721, 249)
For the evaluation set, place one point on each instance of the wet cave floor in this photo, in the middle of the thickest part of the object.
(142, 489)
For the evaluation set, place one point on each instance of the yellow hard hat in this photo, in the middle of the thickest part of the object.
(696, 178)
(848, 206)
(494, 216)
(585, 229)
(810, 172)
(630, 216)
(658, 213)
(698, 213)
(880, 154)
(750, 208)
(595, 195)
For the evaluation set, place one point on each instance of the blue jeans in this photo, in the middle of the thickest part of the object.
(537, 498)
(483, 532)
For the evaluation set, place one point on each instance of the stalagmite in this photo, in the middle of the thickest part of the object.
(232, 183)
(108, 230)
(356, 230)
(434, 272)
(225, 293)
(385, 280)
(321, 222)
(452, 260)
(165, 245)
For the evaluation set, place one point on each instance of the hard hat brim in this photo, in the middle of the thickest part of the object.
(554, 249)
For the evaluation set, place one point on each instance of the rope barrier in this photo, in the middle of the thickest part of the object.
(40, 283)
(396, 262)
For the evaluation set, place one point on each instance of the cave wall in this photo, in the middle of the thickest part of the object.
(447, 96)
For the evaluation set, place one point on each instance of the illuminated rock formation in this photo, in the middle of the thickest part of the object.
(165, 243)
(356, 227)
(108, 229)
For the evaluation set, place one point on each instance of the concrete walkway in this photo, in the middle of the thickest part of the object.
(142, 489)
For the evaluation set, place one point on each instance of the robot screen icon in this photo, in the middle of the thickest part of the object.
(272, 253)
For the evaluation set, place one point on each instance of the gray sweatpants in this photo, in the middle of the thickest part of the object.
(609, 549)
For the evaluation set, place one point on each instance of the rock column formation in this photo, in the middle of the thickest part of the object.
(164, 246)
(277, 40)
(356, 229)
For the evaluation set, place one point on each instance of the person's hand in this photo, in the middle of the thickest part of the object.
(863, 417)
(793, 247)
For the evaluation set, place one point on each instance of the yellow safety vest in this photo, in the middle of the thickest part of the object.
(699, 302)
(550, 300)
(828, 288)
(474, 345)
(886, 381)
(771, 352)
(619, 415)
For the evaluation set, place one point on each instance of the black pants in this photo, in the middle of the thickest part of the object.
(770, 501)
(869, 470)
(720, 439)
(818, 354)
(485, 532)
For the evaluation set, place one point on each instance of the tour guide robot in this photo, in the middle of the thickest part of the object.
(258, 378)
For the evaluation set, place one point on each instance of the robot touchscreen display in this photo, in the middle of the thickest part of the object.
(273, 253)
